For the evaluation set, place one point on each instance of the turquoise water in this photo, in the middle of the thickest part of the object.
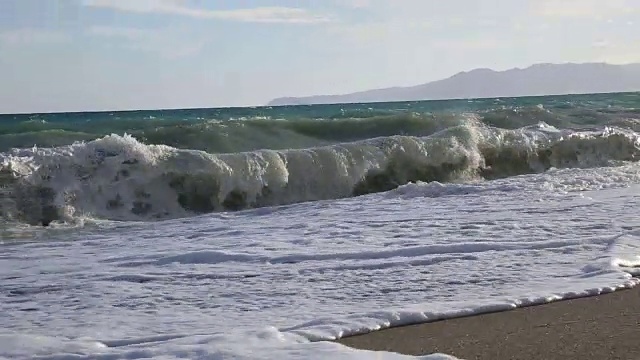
(153, 165)
(252, 233)
(226, 130)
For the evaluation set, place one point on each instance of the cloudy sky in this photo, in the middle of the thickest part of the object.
(72, 55)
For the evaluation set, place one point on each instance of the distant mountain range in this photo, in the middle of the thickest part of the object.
(539, 79)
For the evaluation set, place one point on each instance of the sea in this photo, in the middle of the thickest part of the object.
(268, 232)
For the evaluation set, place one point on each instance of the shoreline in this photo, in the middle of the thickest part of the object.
(602, 326)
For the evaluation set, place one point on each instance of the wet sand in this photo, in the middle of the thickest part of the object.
(603, 327)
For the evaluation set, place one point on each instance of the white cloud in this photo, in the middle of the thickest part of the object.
(615, 50)
(355, 4)
(602, 44)
(32, 36)
(128, 33)
(593, 9)
(376, 33)
(619, 56)
(469, 44)
(274, 14)
(168, 43)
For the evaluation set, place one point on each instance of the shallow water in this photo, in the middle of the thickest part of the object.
(320, 270)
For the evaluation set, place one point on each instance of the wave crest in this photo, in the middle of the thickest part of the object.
(119, 178)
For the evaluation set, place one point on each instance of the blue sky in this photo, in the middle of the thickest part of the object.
(73, 55)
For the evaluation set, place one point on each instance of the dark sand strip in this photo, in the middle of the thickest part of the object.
(603, 327)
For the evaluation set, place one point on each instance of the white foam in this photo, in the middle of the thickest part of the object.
(269, 342)
(119, 178)
(262, 284)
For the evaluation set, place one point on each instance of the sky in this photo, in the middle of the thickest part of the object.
(80, 55)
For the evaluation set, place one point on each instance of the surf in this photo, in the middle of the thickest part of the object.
(118, 177)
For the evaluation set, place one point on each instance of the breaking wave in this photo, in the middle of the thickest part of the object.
(121, 178)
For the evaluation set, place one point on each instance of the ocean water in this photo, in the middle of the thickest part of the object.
(264, 233)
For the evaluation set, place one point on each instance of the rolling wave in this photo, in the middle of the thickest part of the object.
(215, 131)
(121, 178)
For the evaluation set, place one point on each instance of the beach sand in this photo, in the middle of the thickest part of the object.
(600, 327)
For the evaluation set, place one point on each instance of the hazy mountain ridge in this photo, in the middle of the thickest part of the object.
(539, 79)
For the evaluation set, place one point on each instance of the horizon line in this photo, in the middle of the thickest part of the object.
(300, 105)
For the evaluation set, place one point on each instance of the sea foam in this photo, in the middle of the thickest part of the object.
(119, 178)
